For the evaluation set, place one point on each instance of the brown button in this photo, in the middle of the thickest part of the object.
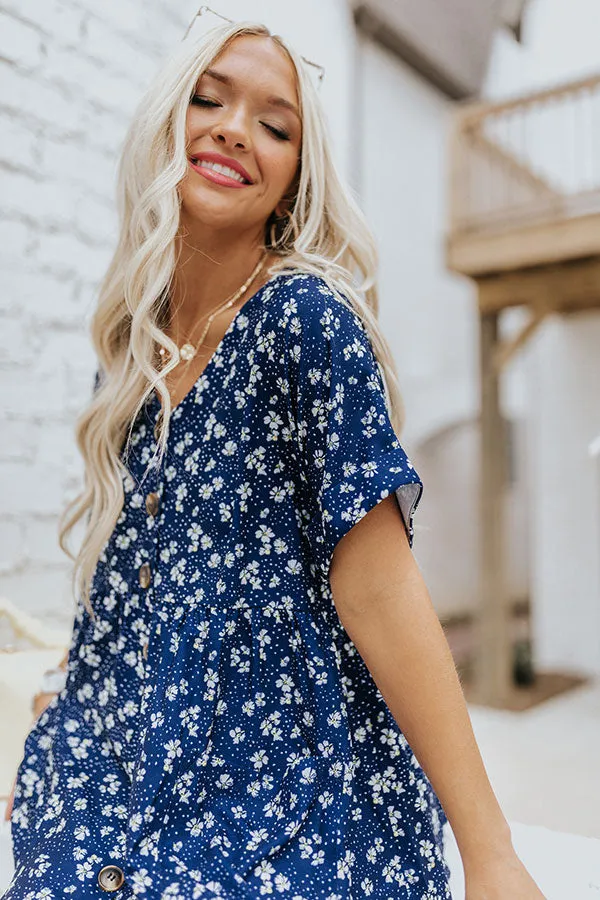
(145, 649)
(145, 575)
(110, 878)
(152, 504)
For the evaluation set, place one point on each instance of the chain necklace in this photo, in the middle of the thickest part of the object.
(188, 351)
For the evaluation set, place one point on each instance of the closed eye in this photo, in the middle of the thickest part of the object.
(197, 100)
(279, 133)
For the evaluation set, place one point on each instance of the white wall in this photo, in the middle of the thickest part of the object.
(427, 313)
(70, 75)
(565, 374)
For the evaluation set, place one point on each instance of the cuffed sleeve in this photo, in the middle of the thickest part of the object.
(349, 456)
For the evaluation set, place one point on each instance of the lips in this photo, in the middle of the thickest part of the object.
(223, 165)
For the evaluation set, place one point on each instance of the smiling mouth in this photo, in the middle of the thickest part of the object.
(220, 169)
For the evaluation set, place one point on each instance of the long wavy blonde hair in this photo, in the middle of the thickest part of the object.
(326, 234)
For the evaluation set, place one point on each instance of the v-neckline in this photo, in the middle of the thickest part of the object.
(218, 351)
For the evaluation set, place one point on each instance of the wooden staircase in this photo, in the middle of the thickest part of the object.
(524, 225)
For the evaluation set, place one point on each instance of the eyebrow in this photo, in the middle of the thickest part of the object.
(272, 101)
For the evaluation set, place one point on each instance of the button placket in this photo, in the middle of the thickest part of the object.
(153, 507)
(153, 504)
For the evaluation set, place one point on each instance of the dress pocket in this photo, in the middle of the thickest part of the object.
(299, 823)
(301, 828)
(292, 802)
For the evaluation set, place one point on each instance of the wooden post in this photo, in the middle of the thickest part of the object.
(493, 651)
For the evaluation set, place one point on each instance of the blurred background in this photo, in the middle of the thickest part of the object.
(469, 131)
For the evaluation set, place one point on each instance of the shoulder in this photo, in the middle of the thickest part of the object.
(306, 307)
(321, 337)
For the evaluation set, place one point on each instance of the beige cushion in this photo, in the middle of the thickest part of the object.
(27, 648)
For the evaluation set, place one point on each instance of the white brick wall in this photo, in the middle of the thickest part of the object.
(71, 72)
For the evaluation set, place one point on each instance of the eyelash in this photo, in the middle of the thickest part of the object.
(197, 100)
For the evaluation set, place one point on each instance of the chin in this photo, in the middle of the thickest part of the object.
(205, 213)
(209, 214)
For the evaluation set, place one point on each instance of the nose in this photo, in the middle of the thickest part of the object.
(232, 129)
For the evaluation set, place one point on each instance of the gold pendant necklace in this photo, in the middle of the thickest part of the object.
(188, 351)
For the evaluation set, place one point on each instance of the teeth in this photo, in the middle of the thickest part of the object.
(224, 170)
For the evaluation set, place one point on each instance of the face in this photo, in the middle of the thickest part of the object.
(243, 139)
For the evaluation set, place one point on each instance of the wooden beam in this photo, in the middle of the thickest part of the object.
(480, 253)
(506, 350)
(567, 287)
(493, 662)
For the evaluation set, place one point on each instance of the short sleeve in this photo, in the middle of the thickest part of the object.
(349, 455)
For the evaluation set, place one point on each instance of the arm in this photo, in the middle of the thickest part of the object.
(349, 459)
(383, 604)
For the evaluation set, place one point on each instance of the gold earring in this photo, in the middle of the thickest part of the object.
(278, 241)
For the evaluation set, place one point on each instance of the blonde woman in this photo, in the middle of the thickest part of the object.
(252, 631)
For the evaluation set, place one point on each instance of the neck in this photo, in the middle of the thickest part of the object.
(207, 272)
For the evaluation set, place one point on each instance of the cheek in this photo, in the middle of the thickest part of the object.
(281, 165)
(195, 127)
(190, 195)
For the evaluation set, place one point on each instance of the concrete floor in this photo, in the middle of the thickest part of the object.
(544, 763)
(564, 866)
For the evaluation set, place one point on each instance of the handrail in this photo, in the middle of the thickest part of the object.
(472, 110)
(534, 157)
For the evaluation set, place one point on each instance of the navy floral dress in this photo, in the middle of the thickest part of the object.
(219, 735)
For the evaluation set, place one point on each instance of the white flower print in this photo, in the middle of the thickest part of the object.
(218, 719)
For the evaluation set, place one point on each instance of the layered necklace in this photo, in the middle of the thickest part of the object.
(189, 350)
